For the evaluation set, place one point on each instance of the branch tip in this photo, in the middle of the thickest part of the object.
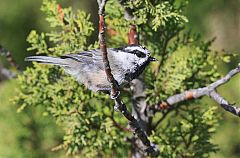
(205, 91)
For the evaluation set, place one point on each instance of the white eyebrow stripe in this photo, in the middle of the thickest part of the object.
(141, 49)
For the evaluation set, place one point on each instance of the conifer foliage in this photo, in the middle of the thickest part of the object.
(92, 127)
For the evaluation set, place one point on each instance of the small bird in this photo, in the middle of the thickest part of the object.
(87, 67)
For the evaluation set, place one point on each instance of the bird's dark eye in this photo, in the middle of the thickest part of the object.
(139, 54)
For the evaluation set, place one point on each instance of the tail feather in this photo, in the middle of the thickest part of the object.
(48, 60)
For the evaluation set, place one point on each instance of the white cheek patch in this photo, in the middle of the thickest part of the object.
(130, 61)
(127, 59)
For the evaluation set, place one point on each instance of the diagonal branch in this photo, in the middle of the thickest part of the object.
(120, 106)
(205, 91)
(150, 148)
(224, 103)
(103, 48)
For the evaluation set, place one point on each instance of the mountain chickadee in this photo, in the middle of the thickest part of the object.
(87, 67)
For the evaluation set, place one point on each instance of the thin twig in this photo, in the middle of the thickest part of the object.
(103, 47)
(164, 115)
(120, 106)
(205, 91)
(134, 126)
(224, 103)
(117, 124)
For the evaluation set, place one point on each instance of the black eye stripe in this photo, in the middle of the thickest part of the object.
(139, 54)
(136, 52)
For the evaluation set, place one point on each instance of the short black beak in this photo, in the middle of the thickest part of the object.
(152, 59)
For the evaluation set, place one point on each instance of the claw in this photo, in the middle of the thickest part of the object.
(114, 96)
(116, 107)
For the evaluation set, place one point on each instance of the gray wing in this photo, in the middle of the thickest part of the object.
(87, 67)
(91, 57)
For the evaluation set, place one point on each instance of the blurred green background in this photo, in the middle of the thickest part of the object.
(33, 134)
